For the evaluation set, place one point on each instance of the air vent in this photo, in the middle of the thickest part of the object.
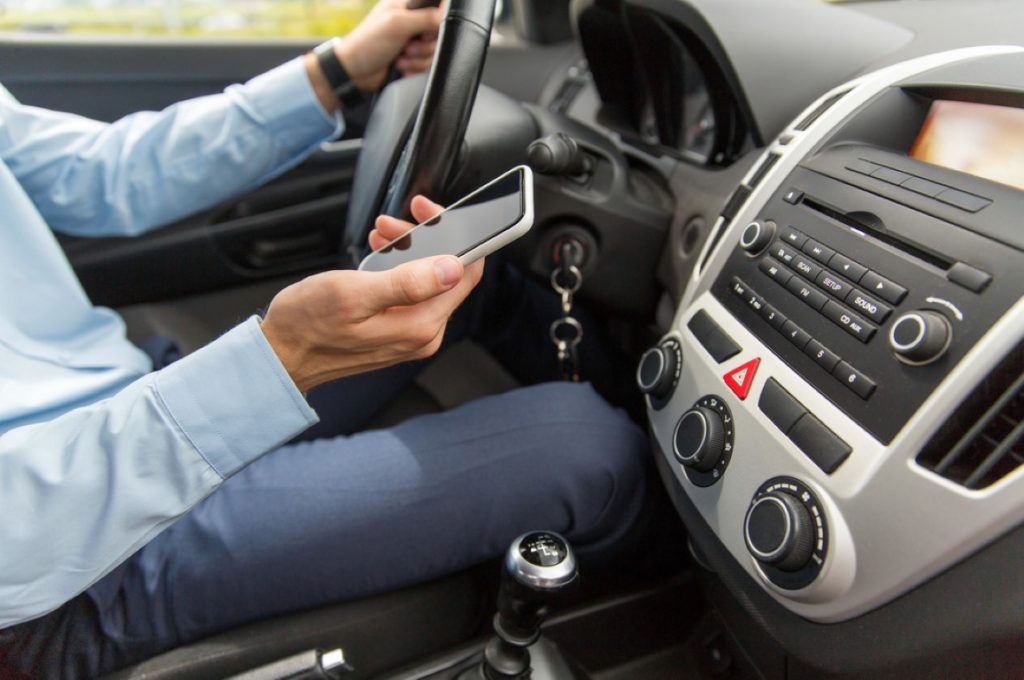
(819, 110)
(736, 201)
(984, 440)
(767, 164)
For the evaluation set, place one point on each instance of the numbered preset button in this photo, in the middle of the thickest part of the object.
(861, 385)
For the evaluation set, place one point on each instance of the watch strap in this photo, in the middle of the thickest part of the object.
(337, 77)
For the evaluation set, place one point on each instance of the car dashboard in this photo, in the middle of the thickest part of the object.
(835, 402)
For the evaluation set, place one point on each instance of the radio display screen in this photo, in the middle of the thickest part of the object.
(979, 139)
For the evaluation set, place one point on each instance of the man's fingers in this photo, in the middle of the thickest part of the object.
(416, 21)
(387, 228)
(418, 49)
(411, 283)
(410, 67)
(423, 208)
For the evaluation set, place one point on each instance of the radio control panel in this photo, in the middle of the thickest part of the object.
(863, 310)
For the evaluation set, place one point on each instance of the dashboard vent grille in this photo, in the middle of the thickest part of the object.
(819, 110)
(766, 165)
(984, 440)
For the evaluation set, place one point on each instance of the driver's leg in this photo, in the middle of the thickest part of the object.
(334, 520)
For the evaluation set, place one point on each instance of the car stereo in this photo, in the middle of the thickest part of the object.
(859, 301)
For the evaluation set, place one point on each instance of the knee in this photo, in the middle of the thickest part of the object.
(597, 446)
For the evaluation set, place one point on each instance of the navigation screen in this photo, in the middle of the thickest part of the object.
(979, 139)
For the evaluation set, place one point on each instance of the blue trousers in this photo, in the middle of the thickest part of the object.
(339, 517)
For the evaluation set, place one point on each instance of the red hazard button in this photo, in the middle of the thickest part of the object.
(741, 378)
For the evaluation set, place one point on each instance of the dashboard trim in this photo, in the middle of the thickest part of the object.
(934, 522)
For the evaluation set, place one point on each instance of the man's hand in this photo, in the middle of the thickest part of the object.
(388, 33)
(344, 322)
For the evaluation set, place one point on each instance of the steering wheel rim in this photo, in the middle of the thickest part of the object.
(424, 163)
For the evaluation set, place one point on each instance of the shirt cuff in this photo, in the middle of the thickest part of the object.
(233, 399)
(286, 105)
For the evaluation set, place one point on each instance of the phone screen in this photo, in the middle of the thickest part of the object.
(462, 227)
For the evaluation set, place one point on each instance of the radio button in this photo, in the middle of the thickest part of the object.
(818, 251)
(717, 343)
(798, 336)
(971, 278)
(963, 200)
(847, 267)
(860, 384)
(863, 167)
(924, 187)
(739, 288)
(792, 237)
(805, 267)
(821, 355)
(890, 176)
(833, 284)
(820, 444)
(773, 316)
(868, 306)
(755, 302)
(850, 322)
(780, 407)
(805, 292)
(884, 288)
(775, 270)
(793, 196)
(783, 253)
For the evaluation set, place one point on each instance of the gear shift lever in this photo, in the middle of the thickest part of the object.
(539, 566)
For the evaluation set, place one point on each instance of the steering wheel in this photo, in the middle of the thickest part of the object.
(396, 164)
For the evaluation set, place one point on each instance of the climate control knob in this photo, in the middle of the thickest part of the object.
(920, 337)
(700, 439)
(756, 236)
(659, 369)
(779, 531)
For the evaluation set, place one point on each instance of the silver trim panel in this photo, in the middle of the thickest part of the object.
(893, 524)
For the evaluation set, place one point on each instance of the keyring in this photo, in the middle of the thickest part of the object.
(572, 323)
(577, 280)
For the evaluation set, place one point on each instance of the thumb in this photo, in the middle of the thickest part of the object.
(412, 282)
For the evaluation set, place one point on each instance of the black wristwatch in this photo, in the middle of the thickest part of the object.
(337, 77)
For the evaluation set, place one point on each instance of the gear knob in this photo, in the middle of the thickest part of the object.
(542, 561)
(539, 566)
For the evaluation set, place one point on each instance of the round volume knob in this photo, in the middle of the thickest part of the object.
(920, 337)
(756, 236)
(699, 439)
(656, 374)
(779, 531)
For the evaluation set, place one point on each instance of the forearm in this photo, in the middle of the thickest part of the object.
(81, 493)
(148, 169)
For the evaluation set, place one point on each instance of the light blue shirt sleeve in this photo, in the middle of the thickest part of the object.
(81, 493)
(97, 454)
(89, 178)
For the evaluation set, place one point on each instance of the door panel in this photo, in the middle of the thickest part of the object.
(290, 225)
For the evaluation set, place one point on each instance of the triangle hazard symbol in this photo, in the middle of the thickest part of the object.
(741, 378)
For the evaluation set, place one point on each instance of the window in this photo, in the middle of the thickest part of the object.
(213, 18)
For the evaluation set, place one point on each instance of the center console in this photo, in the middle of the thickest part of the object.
(840, 396)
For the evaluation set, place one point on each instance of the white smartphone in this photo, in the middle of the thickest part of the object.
(490, 218)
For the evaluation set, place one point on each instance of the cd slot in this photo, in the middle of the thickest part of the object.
(873, 226)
